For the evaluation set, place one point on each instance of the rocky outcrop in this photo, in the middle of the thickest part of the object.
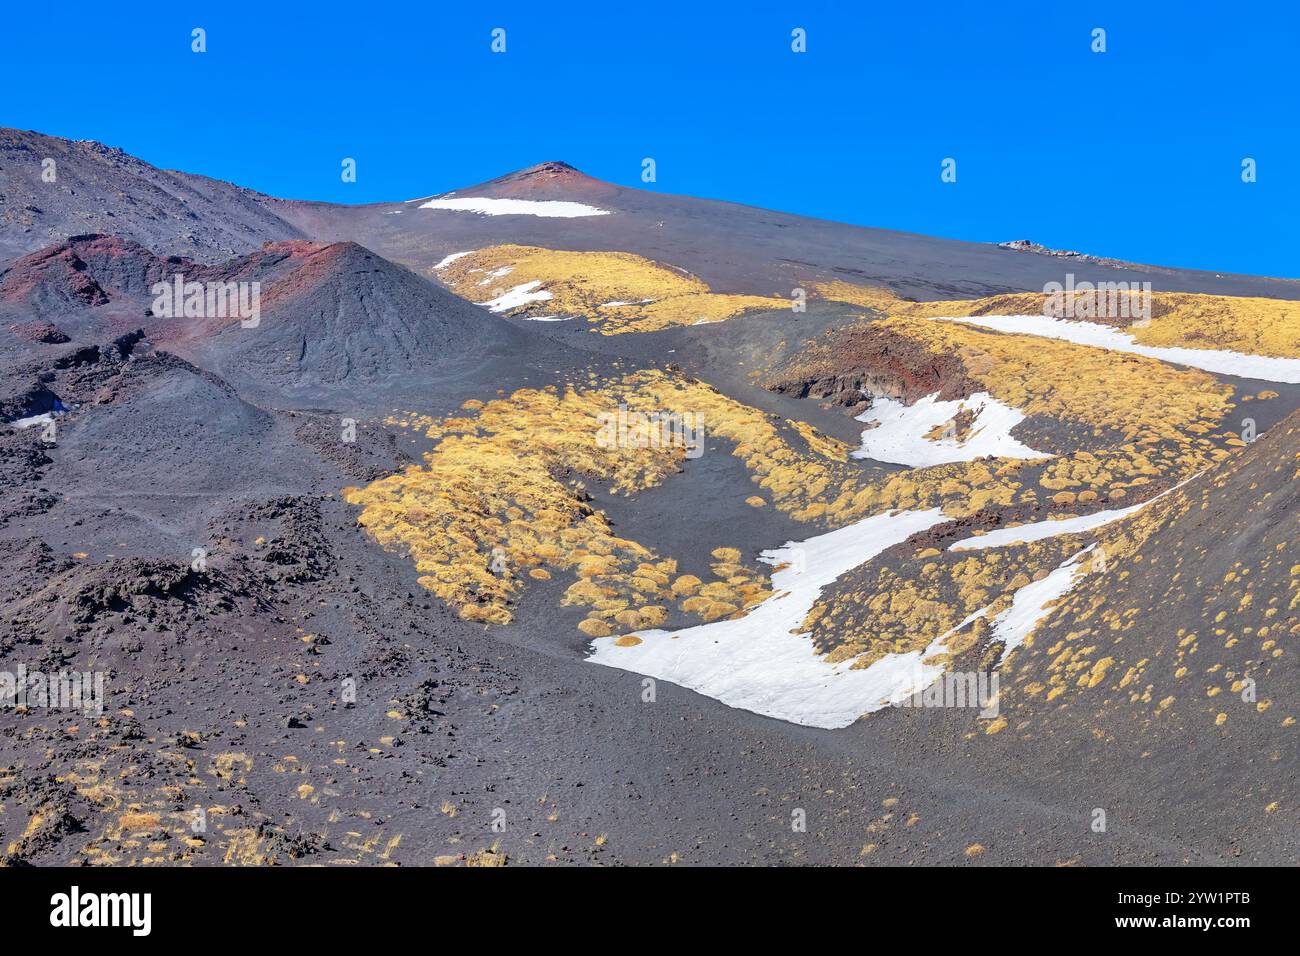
(846, 366)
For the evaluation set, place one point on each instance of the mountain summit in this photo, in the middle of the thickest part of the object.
(549, 180)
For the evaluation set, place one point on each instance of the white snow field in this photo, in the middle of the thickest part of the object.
(756, 663)
(545, 208)
(1219, 361)
(1039, 530)
(899, 438)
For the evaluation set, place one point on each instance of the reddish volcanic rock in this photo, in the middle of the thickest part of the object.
(550, 180)
(58, 267)
(305, 266)
(84, 271)
(45, 333)
(846, 363)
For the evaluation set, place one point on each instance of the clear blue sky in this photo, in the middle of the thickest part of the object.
(1134, 153)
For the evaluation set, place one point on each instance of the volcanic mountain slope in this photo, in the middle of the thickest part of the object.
(733, 249)
(148, 446)
(994, 431)
(339, 645)
(1165, 676)
(99, 189)
(337, 319)
(1115, 431)
(1146, 664)
(1184, 633)
(330, 316)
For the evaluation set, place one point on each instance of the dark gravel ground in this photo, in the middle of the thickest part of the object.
(513, 719)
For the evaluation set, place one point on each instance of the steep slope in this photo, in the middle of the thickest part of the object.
(1169, 670)
(97, 188)
(1196, 597)
(340, 318)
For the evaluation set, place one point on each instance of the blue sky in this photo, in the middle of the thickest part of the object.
(1134, 153)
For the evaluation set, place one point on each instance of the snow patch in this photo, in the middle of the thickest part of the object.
(496, 274)
(1029, 605)
(760, 663)
(1218, 361)
(42, 419)
(519, 295)
(1038, 530)
(545, 208)
(451, 258)
(899, 437)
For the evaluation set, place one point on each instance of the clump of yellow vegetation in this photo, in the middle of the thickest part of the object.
(876, 297)
(822, 444)
(1256, 326)
(1248, 324)
(617, 292)
(503, 495)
